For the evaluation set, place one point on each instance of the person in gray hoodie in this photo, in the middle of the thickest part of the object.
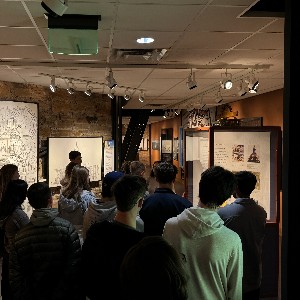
(212, 253)
(104, 208)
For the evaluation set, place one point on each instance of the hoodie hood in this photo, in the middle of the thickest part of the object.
(199, 222)
(102, 210)
(43, 216)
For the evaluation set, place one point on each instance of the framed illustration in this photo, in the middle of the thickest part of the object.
(19, 138)
(155, 145)
(175, 148)
(109, 163)
(166, 146)
(59, 148)
(256, 149)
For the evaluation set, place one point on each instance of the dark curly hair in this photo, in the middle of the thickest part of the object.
(165, 172)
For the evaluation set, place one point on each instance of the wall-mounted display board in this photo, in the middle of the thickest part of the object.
(58, 155)
(255, 149)
(166, 149)
(109, 162)
(19, 140)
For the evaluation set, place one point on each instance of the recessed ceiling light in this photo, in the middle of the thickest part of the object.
(145, 40)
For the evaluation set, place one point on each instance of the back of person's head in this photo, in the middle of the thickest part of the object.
(7, 173)
(79, 181)
(246, 182)
(216, 186)
(109, 179)
(153, 167)
(38, 195)
(128, 190)
(125, 168)
(82, 175)
(74, 154)
(137, 168)
(14, 196)
(153, 260)
(165, 172)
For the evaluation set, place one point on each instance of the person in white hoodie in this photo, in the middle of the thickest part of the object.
(212, 253)
(104, 208)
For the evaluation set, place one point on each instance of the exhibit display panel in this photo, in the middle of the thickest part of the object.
(255, 149)
(19, 138)
(58, 155)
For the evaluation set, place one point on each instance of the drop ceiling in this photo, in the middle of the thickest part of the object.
(207, 38)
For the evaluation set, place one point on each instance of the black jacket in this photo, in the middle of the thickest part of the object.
(45, 262)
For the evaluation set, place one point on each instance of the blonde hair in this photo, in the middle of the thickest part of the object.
(79, 181)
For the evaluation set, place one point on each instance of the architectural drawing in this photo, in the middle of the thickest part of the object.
(19, 137)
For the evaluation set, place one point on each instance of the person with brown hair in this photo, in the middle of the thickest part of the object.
(212, 252)
(125, 168)
(153, 260)
(12, 219)
(104, 208)
(248, 219)
(68, 171)
(45, 261)
(76, 197)
(8, 172)
(136, 167)
(106, 243)
(164, 203)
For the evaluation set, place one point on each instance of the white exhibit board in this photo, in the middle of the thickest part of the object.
(58, 151)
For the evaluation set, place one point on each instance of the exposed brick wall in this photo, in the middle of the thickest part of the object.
(62, 114)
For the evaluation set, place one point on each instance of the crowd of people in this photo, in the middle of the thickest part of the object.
(131, 242)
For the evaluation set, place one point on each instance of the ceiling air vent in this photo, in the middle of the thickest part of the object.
(139, 54)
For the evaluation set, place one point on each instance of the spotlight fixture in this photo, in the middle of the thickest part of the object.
(111, 94)
(88, 89)
(52, 85)
(191, 83)
(55, 7)
(252, 84)
(242, 91)
(111, 82)
(142, 96)
(127, 97)
(226, 83)
(70, 88)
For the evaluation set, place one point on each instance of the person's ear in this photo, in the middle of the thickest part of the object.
(140, 202)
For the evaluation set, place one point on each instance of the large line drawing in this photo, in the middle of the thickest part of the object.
(19, 137)
(59, 148)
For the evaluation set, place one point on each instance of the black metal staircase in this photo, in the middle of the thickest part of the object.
(134, 134)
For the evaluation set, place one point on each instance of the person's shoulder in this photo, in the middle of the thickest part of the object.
(230, 235)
